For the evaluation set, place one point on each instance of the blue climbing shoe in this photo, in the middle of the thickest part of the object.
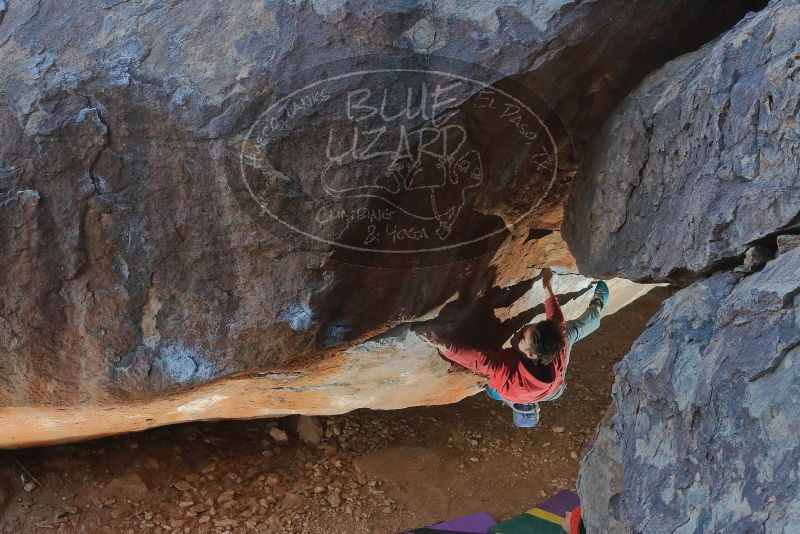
(600, 294)
(525, 415)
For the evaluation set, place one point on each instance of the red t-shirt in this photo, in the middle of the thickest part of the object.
(506, 371)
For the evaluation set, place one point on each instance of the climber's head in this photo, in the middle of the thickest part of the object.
(541, 341)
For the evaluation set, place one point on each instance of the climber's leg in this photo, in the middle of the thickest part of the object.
(493, 394)
(525, 415)
(558, 393)
(589, 320)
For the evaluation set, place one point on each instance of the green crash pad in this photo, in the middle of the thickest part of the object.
(546, 518)
(529, 523)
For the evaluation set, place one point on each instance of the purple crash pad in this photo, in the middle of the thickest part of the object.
(473, 523)
(562, 502)
(469, 524)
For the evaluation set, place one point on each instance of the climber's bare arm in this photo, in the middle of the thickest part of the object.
(489, 363)
(547, 283)
(551, 306)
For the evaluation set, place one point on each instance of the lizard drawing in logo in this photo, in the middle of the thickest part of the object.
(429, 184)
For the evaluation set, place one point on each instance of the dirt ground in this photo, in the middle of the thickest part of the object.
(372, 472)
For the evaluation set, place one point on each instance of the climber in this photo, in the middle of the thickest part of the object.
(533, 369)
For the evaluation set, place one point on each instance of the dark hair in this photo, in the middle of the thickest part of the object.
(547, 340)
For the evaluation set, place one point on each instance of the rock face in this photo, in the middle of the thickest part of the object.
(707, 413)
(695, 167)
(601, 481)
(393, 370)
(700, 162)
(140, 271)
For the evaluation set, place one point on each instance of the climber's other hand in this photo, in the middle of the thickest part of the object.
(427, 333)
(547, 277)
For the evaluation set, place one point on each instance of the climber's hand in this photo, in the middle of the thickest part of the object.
(427, 333)
(547, 277)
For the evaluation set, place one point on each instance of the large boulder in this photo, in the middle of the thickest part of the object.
(704, 438)
(156, 258)
(392, 370)
(601, 488)
(700, 162)
(697, 174)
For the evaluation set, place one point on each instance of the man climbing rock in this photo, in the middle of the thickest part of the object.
(534, 368)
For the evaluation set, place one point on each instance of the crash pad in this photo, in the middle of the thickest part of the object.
(469, 524)
(546, 518)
